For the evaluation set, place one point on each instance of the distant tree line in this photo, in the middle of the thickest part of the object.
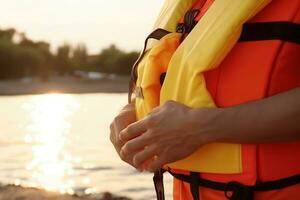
(22, 57)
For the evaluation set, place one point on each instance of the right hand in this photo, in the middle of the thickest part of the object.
(126, 117)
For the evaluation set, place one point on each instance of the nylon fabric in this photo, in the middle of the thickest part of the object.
(201, 73)
(171, 12)
(252, 71)
(154, 63)
(212, 38)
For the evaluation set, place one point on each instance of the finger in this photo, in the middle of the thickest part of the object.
(128, 113)
(129, 107)
(117, 126)
(126, 107)
(143, 166)
(127, 158)
(124, 119)
(148, 153)
(116, 135)
(154, 110)
(156, 164)
(133, 130)
(135, 145)
(112, 135)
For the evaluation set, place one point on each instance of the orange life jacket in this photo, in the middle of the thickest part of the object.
(262, 64)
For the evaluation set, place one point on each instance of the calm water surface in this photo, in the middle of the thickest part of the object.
(60, 142)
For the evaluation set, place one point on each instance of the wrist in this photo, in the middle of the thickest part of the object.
(211, 124)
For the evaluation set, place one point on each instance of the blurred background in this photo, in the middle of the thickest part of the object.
(64, 72)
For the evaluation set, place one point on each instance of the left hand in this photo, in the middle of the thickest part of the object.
(169, 133)
(121, 121)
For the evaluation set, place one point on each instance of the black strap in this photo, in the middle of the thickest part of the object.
(156, 34)
(285, 31)
(189, 21)
(200, 182)
(162, 78)
(258, 31)
(158, 180)
(194, 185)
(277, 184)
(238, 191)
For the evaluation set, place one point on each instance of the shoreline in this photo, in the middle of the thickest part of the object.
(13, 192)
(64, 85)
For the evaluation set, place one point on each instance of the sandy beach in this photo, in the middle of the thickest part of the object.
(11, 192)
(65, 85)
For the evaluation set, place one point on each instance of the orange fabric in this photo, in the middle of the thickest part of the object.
(252, 71)
(285, 76)
(182, 192)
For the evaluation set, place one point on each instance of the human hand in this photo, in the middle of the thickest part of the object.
(121, 121)
(169, 133)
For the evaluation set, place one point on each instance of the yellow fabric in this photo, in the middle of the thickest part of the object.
(203, 49)
(154, 63)
(171, 12)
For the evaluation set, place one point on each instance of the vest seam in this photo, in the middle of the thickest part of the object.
(217, 84)
(274, 63)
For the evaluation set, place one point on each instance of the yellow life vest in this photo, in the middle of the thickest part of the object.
(183, 63)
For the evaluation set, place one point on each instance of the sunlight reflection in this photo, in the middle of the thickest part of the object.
(47, 132)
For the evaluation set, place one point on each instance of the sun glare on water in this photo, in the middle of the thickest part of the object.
(47, 131)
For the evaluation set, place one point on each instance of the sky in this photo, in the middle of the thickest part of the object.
(97, 23)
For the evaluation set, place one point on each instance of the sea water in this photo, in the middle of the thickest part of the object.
(60, 142)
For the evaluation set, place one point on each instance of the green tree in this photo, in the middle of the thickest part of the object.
(63, 62)
(79, 57)
(114, 60)
(108, 59)
(7, 34)
(35, 59)
(31, 61)
(44, 69)
(17, 61)
(125, 62)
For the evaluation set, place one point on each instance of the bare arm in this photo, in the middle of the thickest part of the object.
(273, 119)
(171, 125)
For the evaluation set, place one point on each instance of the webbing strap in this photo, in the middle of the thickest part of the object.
(239, 191)
(258, 31)
(156, 34)
(158, 180)
(194, 185)
(285, 31)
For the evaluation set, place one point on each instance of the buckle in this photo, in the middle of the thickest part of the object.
(238, 191)
(189, 21)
